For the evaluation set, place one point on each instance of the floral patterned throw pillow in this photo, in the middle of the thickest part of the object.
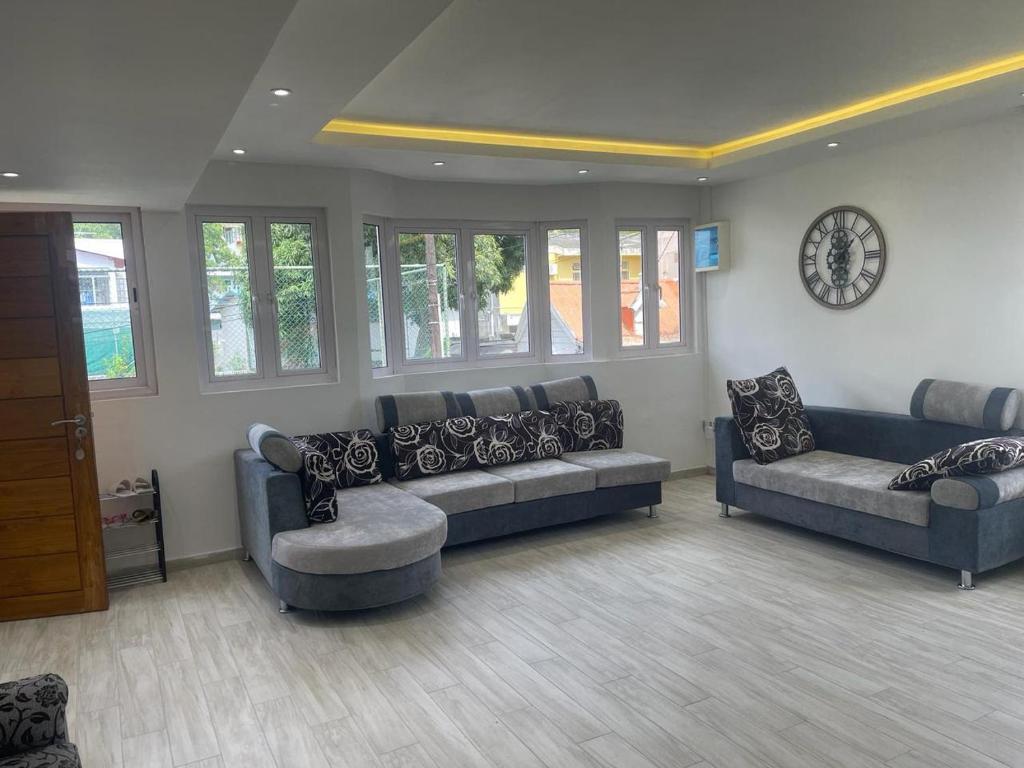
(589, 425)
(514, 437)
(979, 457)
(332, 461)
(770, 416)
(435, 447)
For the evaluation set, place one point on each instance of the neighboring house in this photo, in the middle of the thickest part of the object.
(106, 314)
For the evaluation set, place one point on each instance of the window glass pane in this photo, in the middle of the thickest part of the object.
(229, 298)
(499, 265)
(430, 295)
(375, 295)
(565, 291)
(669, 284)
(291, 253)
(631, 295)
(103, 290)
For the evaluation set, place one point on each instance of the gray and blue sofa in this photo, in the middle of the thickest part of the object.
(385, 545)
(972, 523)
(33, 724)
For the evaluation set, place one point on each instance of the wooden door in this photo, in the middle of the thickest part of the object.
(51, 544)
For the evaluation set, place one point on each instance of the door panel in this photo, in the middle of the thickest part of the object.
(51, 546)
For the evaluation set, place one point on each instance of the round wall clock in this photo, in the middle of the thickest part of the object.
(842, 257)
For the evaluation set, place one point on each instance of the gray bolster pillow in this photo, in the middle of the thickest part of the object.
(275, 447)
(973, 405)
(979, 491)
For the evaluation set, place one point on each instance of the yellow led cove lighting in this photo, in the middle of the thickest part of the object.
(612, 146)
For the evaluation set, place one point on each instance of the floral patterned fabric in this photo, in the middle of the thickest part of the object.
(435, 447)
(33, 727)
(770, 416)
(335, 460)
(589, 425)
(979, 457)
(515, 437)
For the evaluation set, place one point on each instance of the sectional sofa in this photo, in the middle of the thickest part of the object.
(385, 545)
(971, 523)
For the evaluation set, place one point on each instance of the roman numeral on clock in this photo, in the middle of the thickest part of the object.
(874, 254)
(824, 291)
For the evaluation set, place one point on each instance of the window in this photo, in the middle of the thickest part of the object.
(566, 300)
(112, 292)
(651, 285)
(375, 294)
(262, 278)
(457, 293)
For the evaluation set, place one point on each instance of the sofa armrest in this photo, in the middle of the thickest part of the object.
(32, 713)
(729, 447)
(979, 491)
(269, 501)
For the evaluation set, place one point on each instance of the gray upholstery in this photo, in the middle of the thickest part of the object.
(546, 478)
(979, 491)
(615, 466)
(378, 528)
(269, 501)
(564, 390)
(33, 724)
(495, 401)
(414, 408)
(274, 447)
(973, 405)
(458, 492)
(852, 482)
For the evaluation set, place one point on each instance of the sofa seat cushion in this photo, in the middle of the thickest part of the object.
(839, 479)
(546, 478)
(618, 467)
(379, 527)
(457, 492)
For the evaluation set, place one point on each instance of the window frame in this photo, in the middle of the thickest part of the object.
(385, 322)
(588, 342)
(143, 383)
(649, 229)
(257, 222)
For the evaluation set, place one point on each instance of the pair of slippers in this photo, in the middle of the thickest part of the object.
(141, 485)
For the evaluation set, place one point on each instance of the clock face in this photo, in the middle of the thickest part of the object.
(842, 257)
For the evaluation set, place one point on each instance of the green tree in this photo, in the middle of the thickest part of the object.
(97, 229)
(295, 290)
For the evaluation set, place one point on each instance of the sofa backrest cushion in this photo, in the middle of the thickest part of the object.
(435, 447)
(494, 401)
(274, 447)
(564, 390)
(589, 425)
(514, 437)
(332, 461)
(414, 408)
(972, 405)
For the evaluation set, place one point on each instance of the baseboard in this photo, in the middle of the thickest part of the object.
(679, 474)
(194, 561)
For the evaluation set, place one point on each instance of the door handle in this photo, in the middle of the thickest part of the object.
(79, 421)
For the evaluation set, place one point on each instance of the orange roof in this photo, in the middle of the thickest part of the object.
(567, 299)
(567, 296)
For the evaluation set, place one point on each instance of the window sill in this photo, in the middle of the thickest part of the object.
(117, 393)
(256, 385)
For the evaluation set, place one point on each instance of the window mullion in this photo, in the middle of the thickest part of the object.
(652, 312)
(468, 299)
(261, 275)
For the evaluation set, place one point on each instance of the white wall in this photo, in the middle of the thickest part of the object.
(951, 206)
(190, 436)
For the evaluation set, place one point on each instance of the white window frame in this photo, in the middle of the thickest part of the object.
(588, 343)
(536, 264)
(649, 286)
(268, 375)
(385, 274)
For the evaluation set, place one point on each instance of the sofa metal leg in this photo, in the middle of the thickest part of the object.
(651, 511)
(966, 580)
(725, 511)
(246, 557)
(283, 607)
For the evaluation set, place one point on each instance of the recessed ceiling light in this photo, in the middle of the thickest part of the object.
(702, 178)
(10, 174)
(282, 91)
(238, 151)
(581, 171)
(439, 163)
(832, 144)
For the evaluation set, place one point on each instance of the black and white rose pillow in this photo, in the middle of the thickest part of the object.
(335, 460)
(979, 457)
(435, 447)
(515, 437)
(770, 416)
(589, 425)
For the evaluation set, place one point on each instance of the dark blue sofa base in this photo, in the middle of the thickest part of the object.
(968, 540)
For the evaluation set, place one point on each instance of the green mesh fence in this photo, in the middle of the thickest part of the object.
(109, 349)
